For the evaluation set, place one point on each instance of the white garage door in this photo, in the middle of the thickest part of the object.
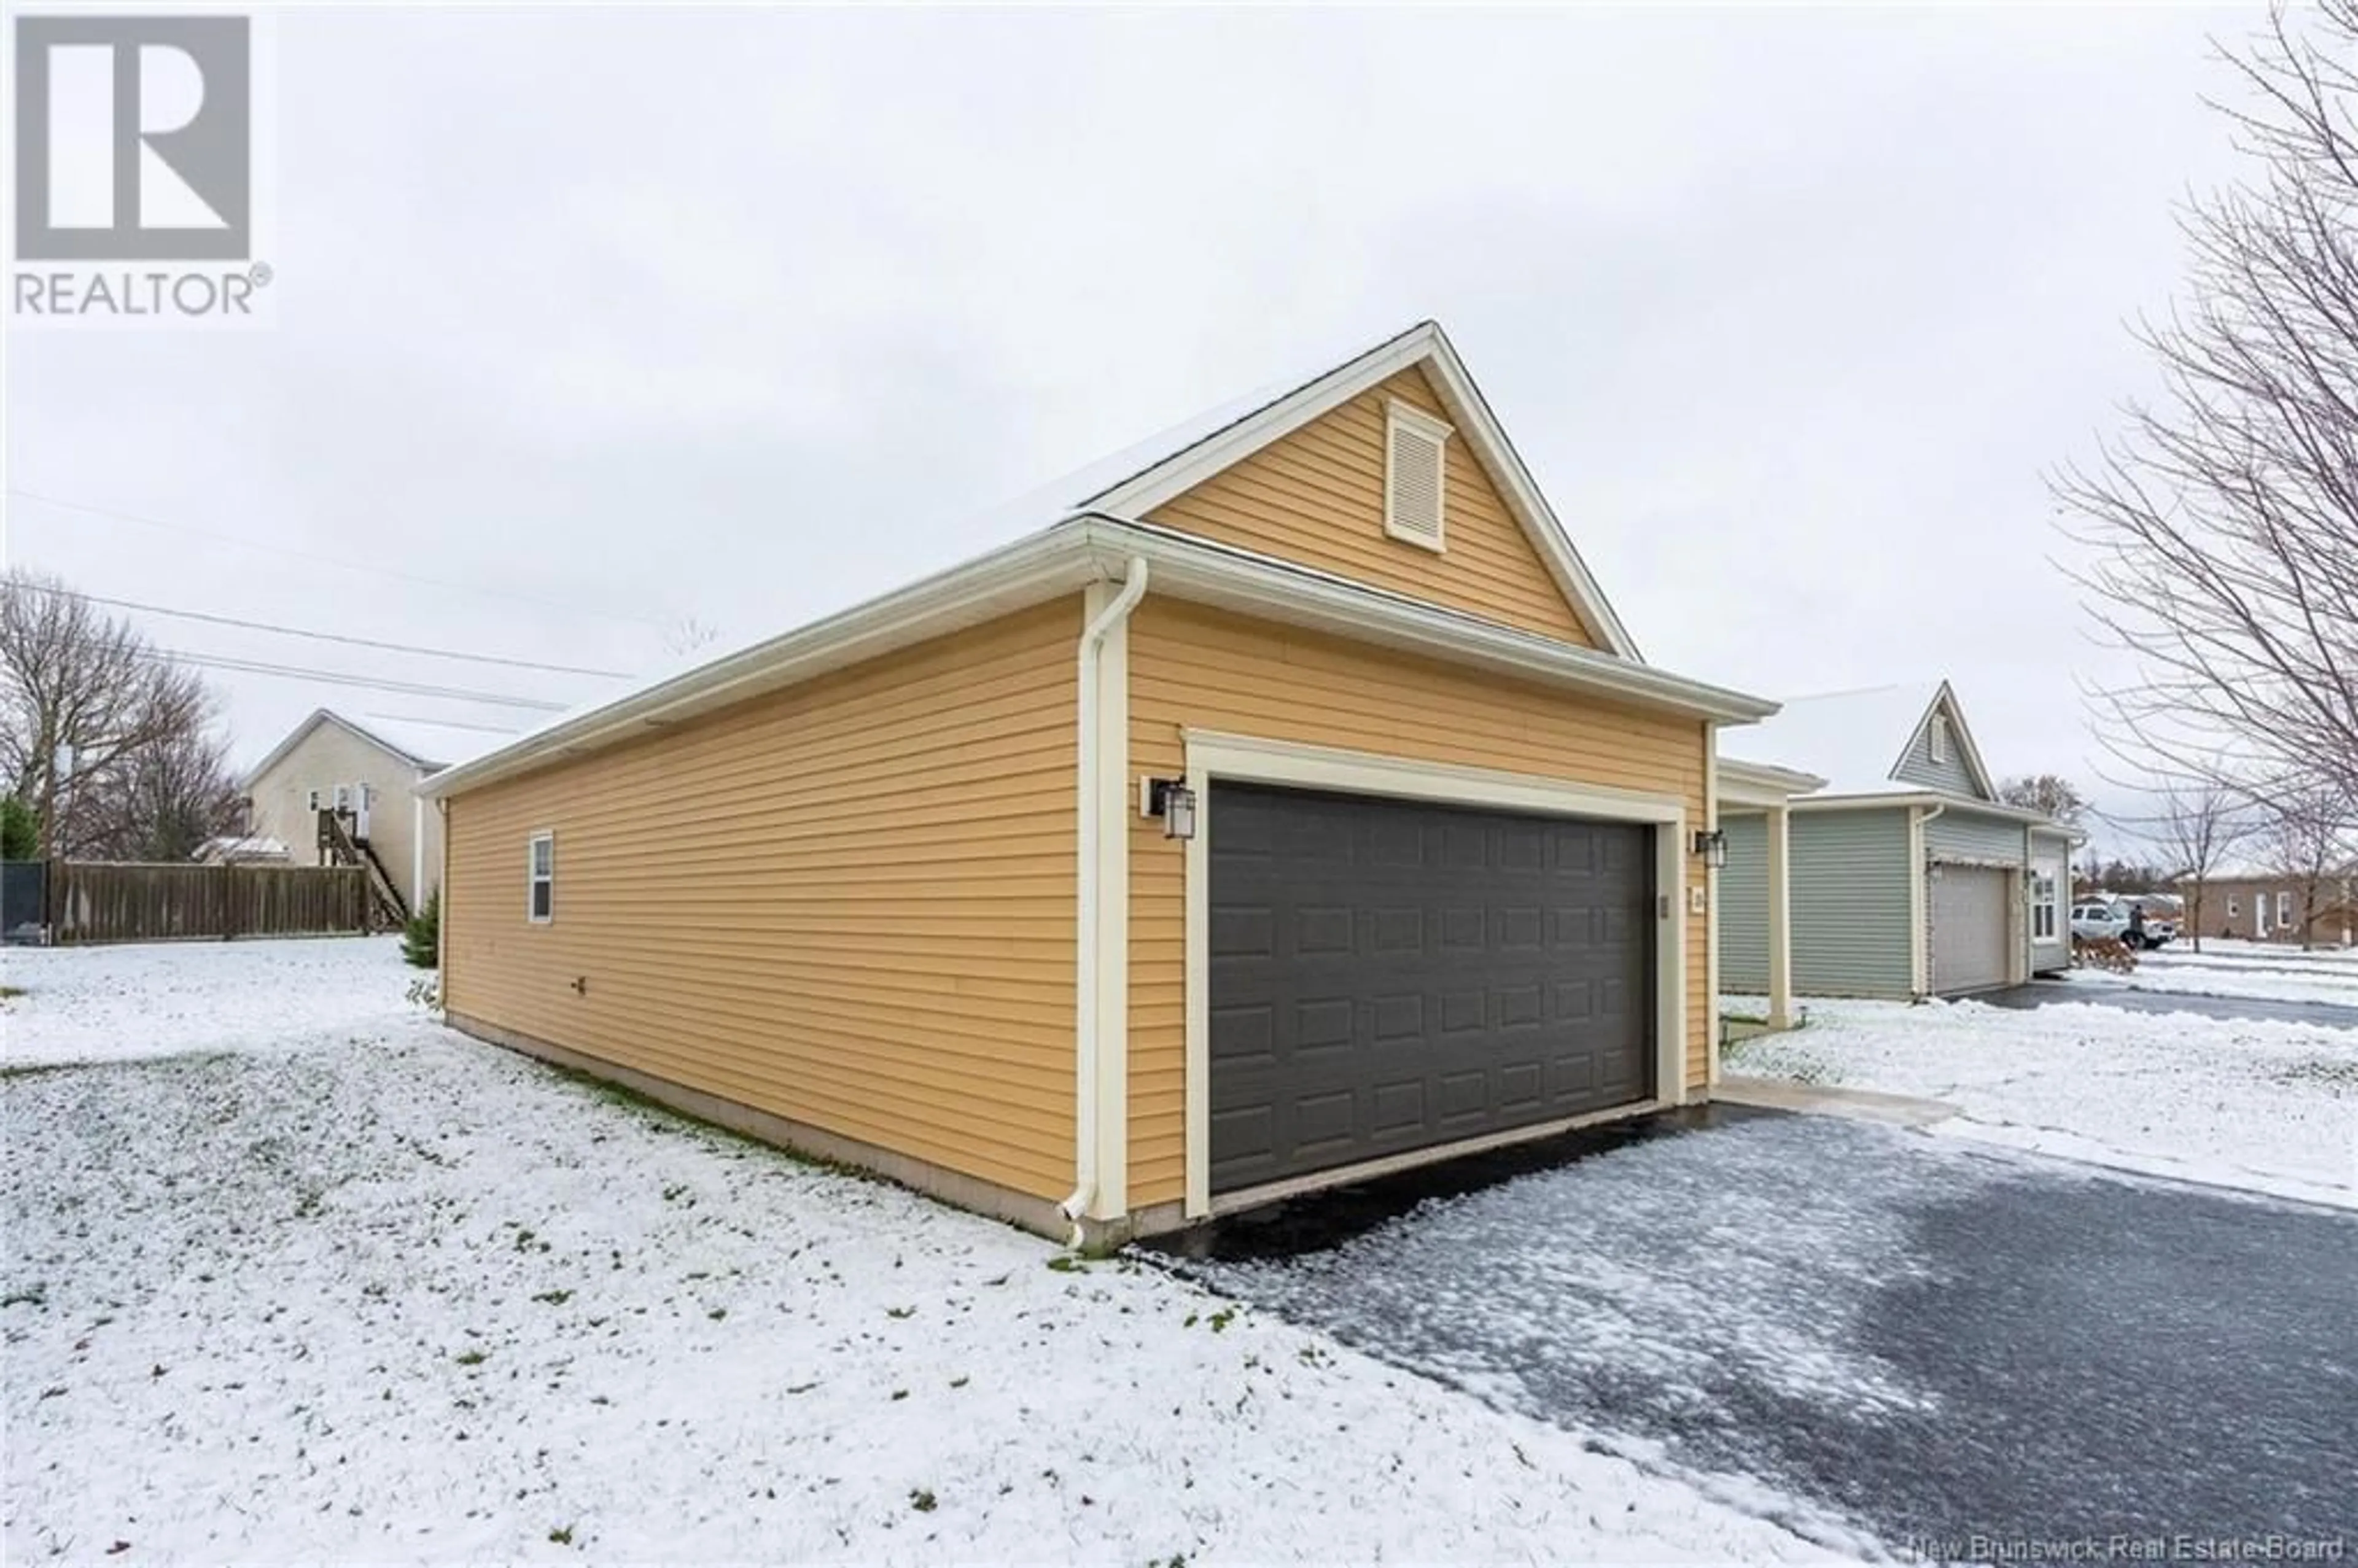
(1969, 928)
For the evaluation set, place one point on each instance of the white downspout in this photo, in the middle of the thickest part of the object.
(1923, 875)
(417, 847)
(1084, 1122)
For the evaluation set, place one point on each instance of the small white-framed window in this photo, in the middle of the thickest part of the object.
(1416, 447)
(2042, 905)
(311, 800)
(2234, 907)
(2283, 909)
(540, 878)
(1939, 740)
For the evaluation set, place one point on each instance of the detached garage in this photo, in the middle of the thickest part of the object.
(1904, 873)
(1288, 807)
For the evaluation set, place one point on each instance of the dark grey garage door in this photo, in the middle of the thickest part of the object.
(1387, 975)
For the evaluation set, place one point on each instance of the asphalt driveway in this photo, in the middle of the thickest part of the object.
(1924, 1341)
(2049, 993)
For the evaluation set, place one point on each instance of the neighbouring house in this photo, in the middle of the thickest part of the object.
(1906, 876)
(1281, 802)
(362, 780)
(2278, 906)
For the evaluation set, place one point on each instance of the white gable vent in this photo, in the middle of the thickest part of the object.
(1415, 444)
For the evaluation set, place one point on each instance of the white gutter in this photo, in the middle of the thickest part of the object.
(1232, 578)
(1937, 803)
(1092, 827)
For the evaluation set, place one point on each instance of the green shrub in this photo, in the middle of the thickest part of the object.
(421, 939)
(20, 830)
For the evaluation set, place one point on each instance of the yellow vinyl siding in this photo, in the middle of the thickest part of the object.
(1194, 667)
(849, 904)
(1316, 497)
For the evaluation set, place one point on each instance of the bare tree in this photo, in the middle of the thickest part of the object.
(164, 802)
(82, 699)
(2222, 528)
(2309, 833)
(2198, 828)
(2051, 794)
(689, 634)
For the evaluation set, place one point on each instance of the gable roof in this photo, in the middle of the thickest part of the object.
(1857, 741)
(1089, 527)
(420, 746)
(1134, 481)
(302, 732)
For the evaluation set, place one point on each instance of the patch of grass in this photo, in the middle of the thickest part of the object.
(668, 1118)
(901, 1312)
(1221, 1320)
(2332, 1074)
(35, 1294)
(10, 993)
(562, 1535)
(554, 1298)
(471, 1357)
(1068, 1263)
(922, 1500)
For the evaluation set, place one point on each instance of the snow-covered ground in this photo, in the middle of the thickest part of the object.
(2271, 1107)
(292, 1273)
(2251, 969)
(175, 999)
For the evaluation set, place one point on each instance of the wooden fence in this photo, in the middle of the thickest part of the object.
(100, 901)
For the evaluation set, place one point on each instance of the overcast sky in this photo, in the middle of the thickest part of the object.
(607, 317)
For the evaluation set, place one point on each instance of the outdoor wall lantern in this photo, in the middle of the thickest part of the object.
(1711, 845)
(1172, 801)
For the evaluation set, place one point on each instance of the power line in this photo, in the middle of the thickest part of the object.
(331, 636)
(345, 678)
(441, 723)
(317, 559)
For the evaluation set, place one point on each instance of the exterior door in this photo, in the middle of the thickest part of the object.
(1390, 975)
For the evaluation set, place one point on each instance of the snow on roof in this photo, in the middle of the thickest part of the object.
(1852, 740)
(430, 745)
(2258, 871)
(227, 847)
(421, 743)
(1070, 495)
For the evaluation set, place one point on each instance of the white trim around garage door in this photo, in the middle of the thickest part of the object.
(1213, 756)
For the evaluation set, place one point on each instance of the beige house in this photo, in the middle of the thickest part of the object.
(2279, 907)
(1287, 804)
(331, 763)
